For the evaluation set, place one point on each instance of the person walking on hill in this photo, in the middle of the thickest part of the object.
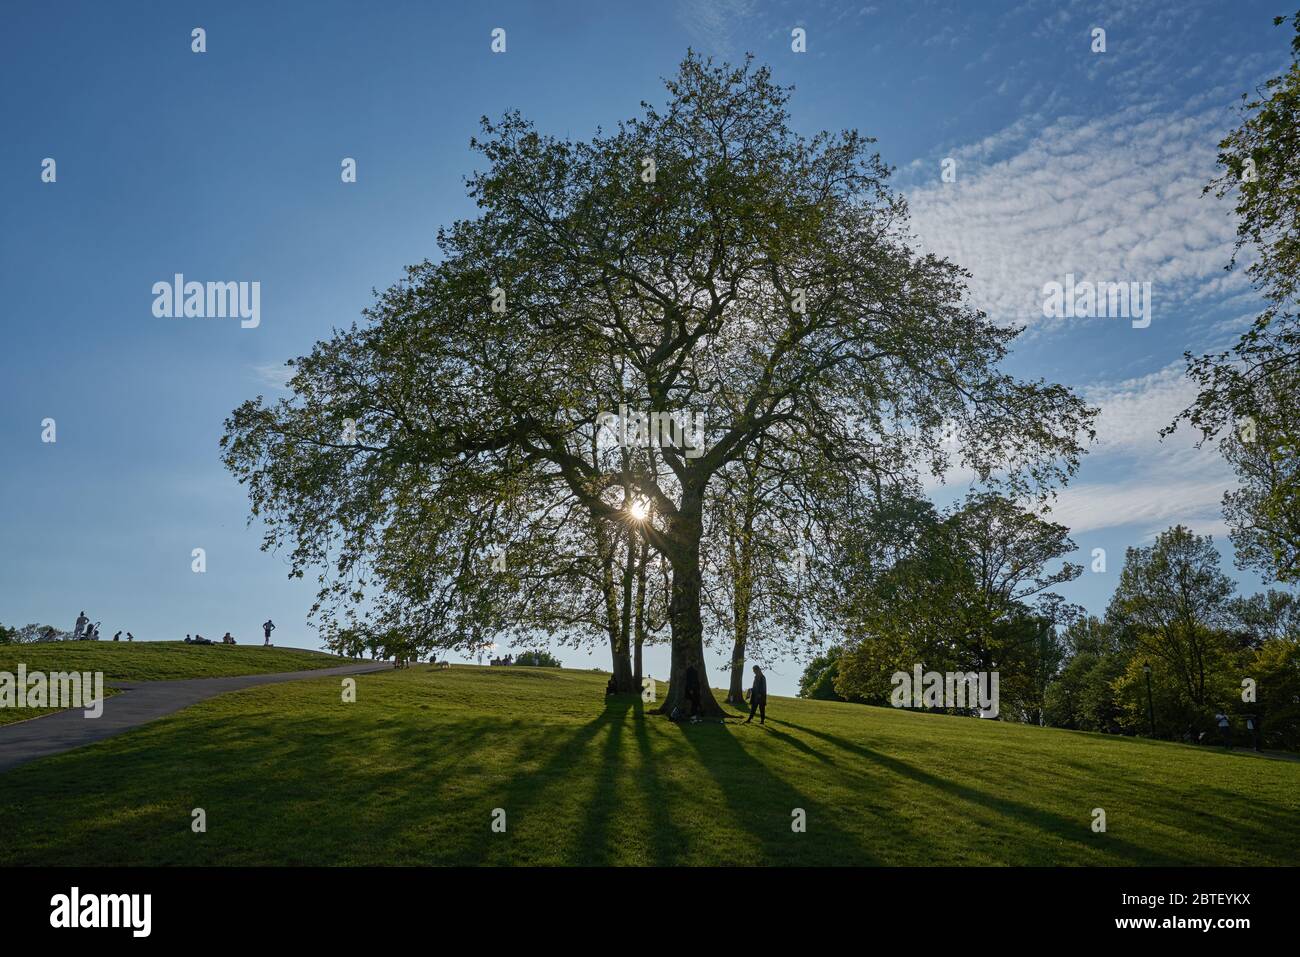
(268, 626)
(1225, 729)
(758, 697)
(82, 621)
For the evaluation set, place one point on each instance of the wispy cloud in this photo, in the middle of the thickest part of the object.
(272, 375)
(1143, 482)
(714, 25)
(1113, 198)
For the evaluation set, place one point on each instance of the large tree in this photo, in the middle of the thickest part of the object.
(702, 259)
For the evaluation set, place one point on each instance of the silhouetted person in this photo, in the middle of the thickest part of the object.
(758, 697)
(227, 639)
(130, 637)
(268, 626)
(117, 636)
(82, 621)
(693, 692)
(1225, 729)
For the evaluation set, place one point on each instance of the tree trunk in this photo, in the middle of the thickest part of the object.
(618, 646)
(742, 564)
(736, 693)
(622, 670)
(625, 623)
(740, 629)
(687, 625)
(639, 636)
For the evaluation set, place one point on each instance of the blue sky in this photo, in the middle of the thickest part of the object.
(225, 166)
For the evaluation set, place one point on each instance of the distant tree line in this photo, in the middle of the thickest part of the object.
(10, 635)
(1174, 611)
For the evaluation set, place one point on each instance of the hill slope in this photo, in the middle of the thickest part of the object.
(161, 660)
(412, 772)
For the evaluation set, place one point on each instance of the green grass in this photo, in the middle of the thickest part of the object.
(152, 661)
(411, 773)
(160, 660)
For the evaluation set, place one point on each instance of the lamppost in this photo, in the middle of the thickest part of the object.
(1151, 711)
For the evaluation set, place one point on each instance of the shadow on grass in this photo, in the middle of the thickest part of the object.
(762, 803)
(667, 839)
(1077, 832)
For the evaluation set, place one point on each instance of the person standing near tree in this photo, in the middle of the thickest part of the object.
(693, 693)
(268, 626)
(758, 697)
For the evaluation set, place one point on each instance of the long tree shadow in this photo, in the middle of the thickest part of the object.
(667, 840)
(525, 790)
(592, 844)
(762, 804)
(1071, 830)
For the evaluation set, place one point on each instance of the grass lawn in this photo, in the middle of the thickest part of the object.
(152, 661)
(411, 773)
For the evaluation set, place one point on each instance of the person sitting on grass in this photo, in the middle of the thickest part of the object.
(227, 639)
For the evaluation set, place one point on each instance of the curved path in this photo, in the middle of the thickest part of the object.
(140, 703)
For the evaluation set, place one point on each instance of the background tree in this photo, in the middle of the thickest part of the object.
(974, 593)
(1083, 696)
(1248, 393)
(756, 570)
(32, 632)
(537, 658)
(1172, 606)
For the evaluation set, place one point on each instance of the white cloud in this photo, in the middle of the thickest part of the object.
(273, 375)
(1149, 503)
(1111, 198)
(1136, 479)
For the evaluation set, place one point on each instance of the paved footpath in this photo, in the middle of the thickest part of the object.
(139, 703)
